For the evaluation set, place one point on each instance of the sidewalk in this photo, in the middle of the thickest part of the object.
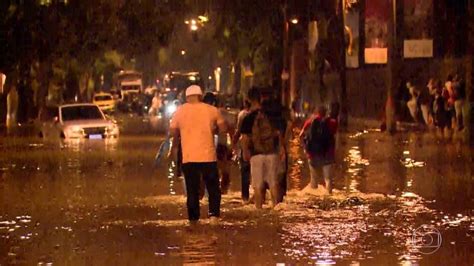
(359, 123)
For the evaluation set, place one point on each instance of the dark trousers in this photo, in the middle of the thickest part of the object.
(193, 172)
(179, 161)
(245, 175)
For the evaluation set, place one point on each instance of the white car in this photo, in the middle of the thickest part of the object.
(77, 121)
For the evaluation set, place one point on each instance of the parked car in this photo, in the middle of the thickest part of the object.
(105, 101)
(76, 121)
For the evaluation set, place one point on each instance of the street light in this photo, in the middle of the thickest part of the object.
(294, 20)
(183, 52)
(203, 18)
(196, 22)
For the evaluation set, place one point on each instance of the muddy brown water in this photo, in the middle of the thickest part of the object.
(104, 203)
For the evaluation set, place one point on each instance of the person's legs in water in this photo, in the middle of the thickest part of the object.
(211, 178)
(459, 106)
(412, 107)
(223, 164)
(179, 162)
(425, 110)
(245, 179)
(202, 188)
(282, 173)
(258, 184)
(314, 172)
(327, 173)
(272, 163)
(192, 176)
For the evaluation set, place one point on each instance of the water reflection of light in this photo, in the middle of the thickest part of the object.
(409, 162)
(171, 171)
(296, 163)
(199, 249)
(356, 165)
(456, 220)
(331, 235)
(16, 228)
(409, 260)
(325, 262)
(358, 134)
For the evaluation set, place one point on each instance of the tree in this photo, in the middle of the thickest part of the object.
(42, 39)
(252, 39)
(146, 26)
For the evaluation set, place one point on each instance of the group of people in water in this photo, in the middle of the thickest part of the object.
(438, 105)
(199, 130)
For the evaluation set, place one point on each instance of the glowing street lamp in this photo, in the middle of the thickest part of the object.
(183, 52)
(294, 21)
(203, 18)
(195, 23)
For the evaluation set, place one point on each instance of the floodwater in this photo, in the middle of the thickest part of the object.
(401, 200)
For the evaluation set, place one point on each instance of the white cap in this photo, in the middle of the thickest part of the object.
(193, 90)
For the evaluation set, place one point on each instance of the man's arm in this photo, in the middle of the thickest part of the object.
(236, 135)
(245, 131)
(174, 134)
(246, 147)
(303, 129)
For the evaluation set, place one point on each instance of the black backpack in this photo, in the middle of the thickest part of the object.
(319, 138)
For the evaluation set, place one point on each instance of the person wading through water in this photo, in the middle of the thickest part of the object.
(262, 145)
(195, 123)
(318, 134)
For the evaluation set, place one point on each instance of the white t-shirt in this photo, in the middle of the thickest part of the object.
(196, 123)
(156, 103)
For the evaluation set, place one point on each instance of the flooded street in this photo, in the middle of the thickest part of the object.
(105, 203)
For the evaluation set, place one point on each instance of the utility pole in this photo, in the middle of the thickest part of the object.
(285, 73)
(394, 64)
(470, 71)
(342, 68)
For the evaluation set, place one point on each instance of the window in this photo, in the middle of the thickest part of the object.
(84, 112)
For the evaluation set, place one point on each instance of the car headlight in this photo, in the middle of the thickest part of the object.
(76, 130)
(170, 109)
(112, 129)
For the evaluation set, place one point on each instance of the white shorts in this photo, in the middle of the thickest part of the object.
(264, 169)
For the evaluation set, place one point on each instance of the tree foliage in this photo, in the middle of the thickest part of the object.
(39, 37)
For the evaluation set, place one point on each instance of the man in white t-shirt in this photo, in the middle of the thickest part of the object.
(195, 123)
(155, 104)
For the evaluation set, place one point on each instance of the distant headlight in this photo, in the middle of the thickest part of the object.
(170, 109)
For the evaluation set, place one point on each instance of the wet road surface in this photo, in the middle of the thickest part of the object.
(105, 203)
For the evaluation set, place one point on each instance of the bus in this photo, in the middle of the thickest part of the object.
(129, 82)
(175, 83)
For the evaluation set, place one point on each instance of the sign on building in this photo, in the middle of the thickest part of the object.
(351, 21)
(418, 28)
(376, 55)
(417, 48)
(312, 36)
(377, 18)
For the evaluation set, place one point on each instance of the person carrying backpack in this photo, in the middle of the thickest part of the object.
(318, 136)
(262, 145)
